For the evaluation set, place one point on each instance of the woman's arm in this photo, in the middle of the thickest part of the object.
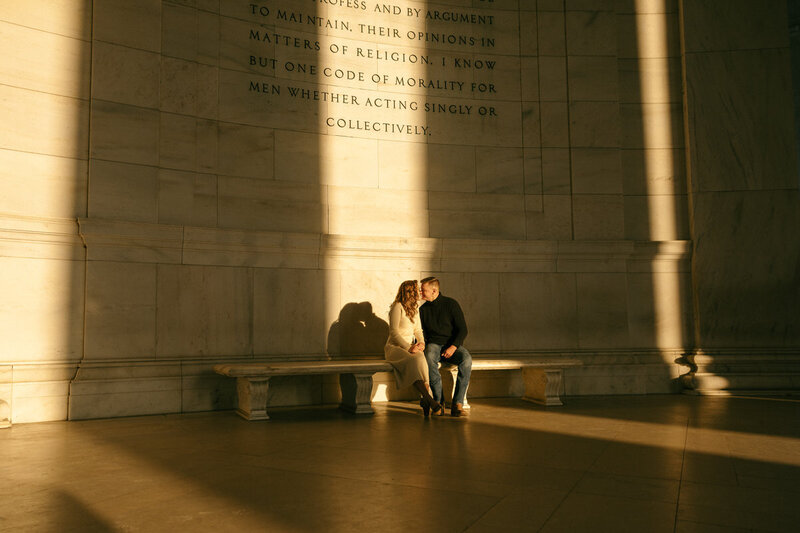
(395, 336)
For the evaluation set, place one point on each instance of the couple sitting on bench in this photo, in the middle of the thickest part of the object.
(440, 322)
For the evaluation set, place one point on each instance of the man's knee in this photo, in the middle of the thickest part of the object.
(466, 358)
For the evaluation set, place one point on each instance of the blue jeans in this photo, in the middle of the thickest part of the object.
(461, 358)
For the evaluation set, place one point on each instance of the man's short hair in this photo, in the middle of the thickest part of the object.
(430, 281)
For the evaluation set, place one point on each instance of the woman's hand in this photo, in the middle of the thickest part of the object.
(418, 347)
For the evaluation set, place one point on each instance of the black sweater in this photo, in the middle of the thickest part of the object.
(443, 322)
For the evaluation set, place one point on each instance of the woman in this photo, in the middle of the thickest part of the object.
(405, 347)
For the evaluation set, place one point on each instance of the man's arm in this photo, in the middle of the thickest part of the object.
(459, 330)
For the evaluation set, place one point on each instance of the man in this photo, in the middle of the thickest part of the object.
(445, 330)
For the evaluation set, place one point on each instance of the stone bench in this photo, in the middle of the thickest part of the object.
(542, 378)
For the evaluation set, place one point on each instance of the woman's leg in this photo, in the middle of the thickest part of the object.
(427, 401)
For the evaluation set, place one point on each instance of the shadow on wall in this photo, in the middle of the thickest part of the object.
(357, 331)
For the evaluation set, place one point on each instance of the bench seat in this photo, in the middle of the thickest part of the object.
(542, 378)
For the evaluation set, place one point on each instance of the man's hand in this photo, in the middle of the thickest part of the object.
(448, 353)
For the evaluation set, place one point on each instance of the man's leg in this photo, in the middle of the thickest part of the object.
(463, 359)
(432, 352)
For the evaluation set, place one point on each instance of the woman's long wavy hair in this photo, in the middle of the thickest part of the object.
(407, 297)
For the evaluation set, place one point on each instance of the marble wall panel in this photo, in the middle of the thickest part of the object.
(661, 30)
(289, 312)
(499, 170)
(529, 79)
(651, 126)
(350, 213)
(478, 215)
(43, 302)
(178, 85)
(402, 165)
(538, 311)
(479, 297)
(179, 31)
(187, 198)
(106, 399)
(208, 30)
(592, 78)
(112, 240)
(596, 171)
(658, 217)
(534, 125)
(125, 75)
(42, 123)
(63, 17)
(646, 6)
(641, 309)
(246, 203)
(451, 168)
(135, 25)
(553, 78)
(123, 191)
(656, 80)
(591, 33)
(556, 171)
(729, 137)
(598, 216)
(349, 162)
(39, 402)
(551, 33)
(124, 133)
(735, 25)
(602, 310)
(594, 124)
(554, 124)
(204, 311)
(43, 61)
(478, 224)
(591, 5)
(659, 309)
(42, 185)
(640, 212)
(654, 171)
(554, 222)
(187, 143)
(207, 393)
(223, 247)
(532, 166)
(747, 293)
(549, 5)
(299, 159)
(207, 97)
(120, 310)
(534, 202)
(246, 151)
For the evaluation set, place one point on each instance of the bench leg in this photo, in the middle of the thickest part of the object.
(252, 398)
(543, 386)
(356, 393)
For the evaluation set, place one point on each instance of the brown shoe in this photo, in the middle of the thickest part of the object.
(457, 410)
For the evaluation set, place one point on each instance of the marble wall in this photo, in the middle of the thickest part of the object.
(188, 182)
(744, 184)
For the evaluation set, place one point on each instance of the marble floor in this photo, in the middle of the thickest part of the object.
(634, 463)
